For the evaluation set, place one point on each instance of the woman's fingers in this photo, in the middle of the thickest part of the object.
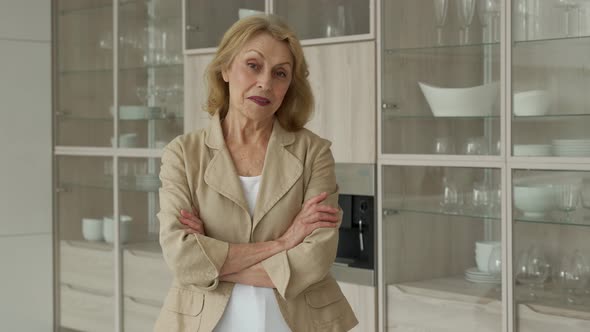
(198, 225)
(321, 216)
(315, 200)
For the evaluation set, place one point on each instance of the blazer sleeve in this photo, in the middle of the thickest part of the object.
(194, 259)
(294, 270)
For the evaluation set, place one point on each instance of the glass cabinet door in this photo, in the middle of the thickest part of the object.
(84, 203)
(442, 253)
(550, 61)
(551, 251)
(143, 296)
(313, 19)
(150, 75)
(84, 73)
(440, 77)
(207, 21)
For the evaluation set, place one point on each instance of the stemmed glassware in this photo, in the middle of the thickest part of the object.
(466, 9)
(567, 197)
(440, 17)
(573, 275)
(488, 12)
(568, 6)
(451, 200)
(532, 269)
(495, 264)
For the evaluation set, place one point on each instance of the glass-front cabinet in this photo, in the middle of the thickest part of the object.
(315, 22)
(484, 165)
(119, 91)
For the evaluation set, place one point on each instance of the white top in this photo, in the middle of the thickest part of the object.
(252, 309)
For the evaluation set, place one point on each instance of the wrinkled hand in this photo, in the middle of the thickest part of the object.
(192, 222)
(312, 216)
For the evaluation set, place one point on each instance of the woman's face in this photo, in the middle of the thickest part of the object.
(259, 77)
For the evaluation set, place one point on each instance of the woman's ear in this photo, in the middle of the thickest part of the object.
(224, 75)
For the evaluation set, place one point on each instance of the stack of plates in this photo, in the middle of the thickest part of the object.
(532, 149)
(474, 275)
(147, 182)
(571, 147)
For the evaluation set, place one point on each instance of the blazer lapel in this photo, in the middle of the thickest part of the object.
(221, 174)
(281, 170)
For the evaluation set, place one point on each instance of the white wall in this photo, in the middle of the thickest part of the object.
(26, 299)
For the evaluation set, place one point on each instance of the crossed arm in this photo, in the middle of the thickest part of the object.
(242, 264)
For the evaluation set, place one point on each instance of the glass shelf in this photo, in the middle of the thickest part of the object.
(391, 51)
(585, 222)
(431, 205)
(110, 70)
(463, 214)
(391, 114)
(82, 118)
(104, 6)
(126, 183)
(549, 117)
(581, 40)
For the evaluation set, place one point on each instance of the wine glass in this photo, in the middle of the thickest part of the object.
(451, 200)
(567, 196)
(142, 94)
(573, 274)
(568, 6)
(466, 10)
(481, 198)
(495, 264)
(440, 17)
(532, 269)
(444, 145)
(487, 12)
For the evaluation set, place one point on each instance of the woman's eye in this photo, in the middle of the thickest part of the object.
(281, 74)
(252, 65)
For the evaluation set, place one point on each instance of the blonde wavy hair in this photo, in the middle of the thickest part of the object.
(297, 106)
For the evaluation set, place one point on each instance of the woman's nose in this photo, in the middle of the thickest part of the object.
(265, 81)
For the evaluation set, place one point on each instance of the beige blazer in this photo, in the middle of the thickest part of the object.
(197, 170)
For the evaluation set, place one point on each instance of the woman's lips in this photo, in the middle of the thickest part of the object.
(260, 100)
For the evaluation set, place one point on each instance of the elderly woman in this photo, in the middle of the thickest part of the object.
(249, 216)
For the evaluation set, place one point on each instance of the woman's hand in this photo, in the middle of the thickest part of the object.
(311, 217)
(192, 222)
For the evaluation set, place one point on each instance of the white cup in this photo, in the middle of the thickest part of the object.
(108, 229)
(92, 229)
(483, 250)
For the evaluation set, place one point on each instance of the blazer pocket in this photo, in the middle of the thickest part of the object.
(325, 303)
(184, 301)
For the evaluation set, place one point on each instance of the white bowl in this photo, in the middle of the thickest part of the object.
(137, 112)
(532, 149)
(92, 229)
(128, 140)
(245, 12)
(483, 251)
(531, 103)
(455, 102)
(534, 201)
(108, 229)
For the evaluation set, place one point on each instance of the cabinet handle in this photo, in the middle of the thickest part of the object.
(140, 253)
(190, 27)
(87, 290)
(144, 302)
(62, 113)
(389, 106)
(390, 212)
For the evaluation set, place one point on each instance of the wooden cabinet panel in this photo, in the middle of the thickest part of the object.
(145, 274)
(86, 310)
(87, 265)
(342, 77)
(140, 316)
(362, 300)
(195, 92)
